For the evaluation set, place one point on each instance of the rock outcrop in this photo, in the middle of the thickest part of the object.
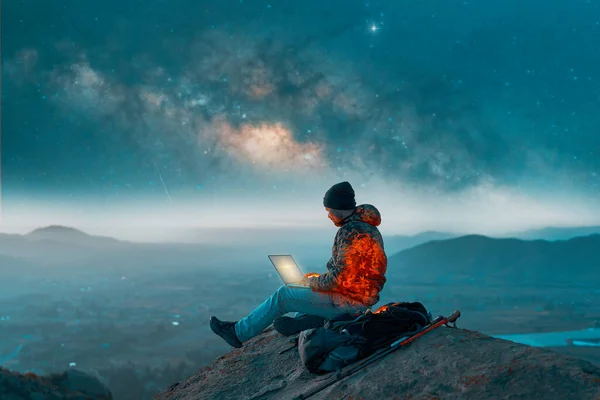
(444, 364)
(71, 385)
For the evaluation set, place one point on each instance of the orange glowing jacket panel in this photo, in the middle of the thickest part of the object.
(358, 262)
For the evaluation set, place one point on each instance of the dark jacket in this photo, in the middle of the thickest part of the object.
(358, 262)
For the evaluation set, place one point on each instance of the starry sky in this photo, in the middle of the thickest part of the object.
(448, 115)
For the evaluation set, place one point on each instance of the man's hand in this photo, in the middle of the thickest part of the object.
(304, 282)
(307, 278)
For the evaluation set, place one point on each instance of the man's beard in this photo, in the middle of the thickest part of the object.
(338, 223)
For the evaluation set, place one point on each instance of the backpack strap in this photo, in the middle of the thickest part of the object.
(339, 326)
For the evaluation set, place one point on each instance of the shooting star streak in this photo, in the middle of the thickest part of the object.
(163, 183)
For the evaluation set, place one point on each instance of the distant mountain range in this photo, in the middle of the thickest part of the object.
(69, 247)
(476, 258)
(556, 233)
(396, 243)
(428, 255)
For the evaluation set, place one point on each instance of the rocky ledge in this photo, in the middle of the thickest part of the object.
(71, 385)
(446, 363)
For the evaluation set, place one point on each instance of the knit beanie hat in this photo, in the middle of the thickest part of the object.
(340, 197)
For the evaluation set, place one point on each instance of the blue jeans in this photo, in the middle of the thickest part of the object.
(292, 299)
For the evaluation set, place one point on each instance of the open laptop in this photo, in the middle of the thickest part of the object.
(288, 270)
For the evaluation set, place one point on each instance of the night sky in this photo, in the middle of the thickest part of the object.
(464, 115)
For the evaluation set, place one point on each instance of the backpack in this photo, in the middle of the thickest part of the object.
(349, 338)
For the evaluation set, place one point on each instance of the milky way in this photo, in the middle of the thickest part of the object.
(256, 99)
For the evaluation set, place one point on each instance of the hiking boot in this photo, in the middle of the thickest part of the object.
(226, 330)
(289, 326)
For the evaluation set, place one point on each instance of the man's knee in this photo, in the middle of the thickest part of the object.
(283, 292)
(282, 295)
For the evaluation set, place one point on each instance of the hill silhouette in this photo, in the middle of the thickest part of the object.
(57, 230)
(444, 364)
(65, 246)
(70, 235)
(481, 258)
(59, 245)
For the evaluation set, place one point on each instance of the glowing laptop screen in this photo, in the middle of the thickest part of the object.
(287, 268)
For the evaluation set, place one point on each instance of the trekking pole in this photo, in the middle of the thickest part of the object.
(436, 323)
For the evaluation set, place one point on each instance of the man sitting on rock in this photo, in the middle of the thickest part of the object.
(355, 276)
